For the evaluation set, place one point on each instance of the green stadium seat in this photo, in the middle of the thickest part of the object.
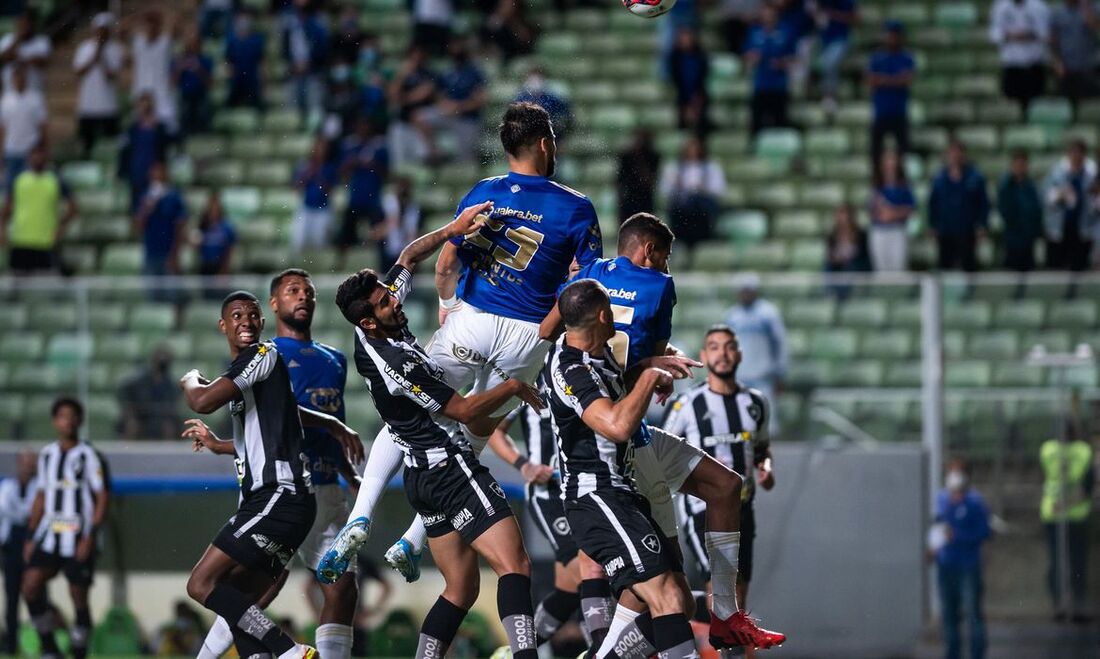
(242, 202)
(977, 85)
(1020, 314)
(887, 344)
(959, 111)
(208, 146)
(828, 142)
(1030, 138)
(766, 256)
(812, 314)
(236, 121)
(798, 342)
(863, 313)
(201, 317)
(822, 196)
(826, 343)
(903, 374)
(1050, 112)
(84, 175)
(152, 318)
(954, 344)
(271, 173)
(743, 226)
(775, 195)
(978, 138)
(221, 173)
(293, 146)
(930, 138)
(22, 347)
(859, 373)
(41, 378)
(124, 259)
(807, 374)
(956, 15)
(614, 118)
(796, 224)
(778, 143)
(974, 314)
(1052, 340)
(280, 202)
(1072, 314)
(1008, 374)
(967, 373)
(996, 344)
(96, 201)
(712, 256)
(180, 344)
(911, 14)
(281, 120)
(55, 316)
(80, 259)
(807, 255)
(69, 349)
(116, 348)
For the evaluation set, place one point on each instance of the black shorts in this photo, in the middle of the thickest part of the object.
(348, 235)
(30, 260)
(267, 529)
(616, 530)
(78, 573)
(548, 512)
(457, 495)
(697, 546)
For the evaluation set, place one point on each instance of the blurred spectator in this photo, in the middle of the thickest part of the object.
(1069, 481)
(149, 400)
(305, 47)
(962, 525)
(365, 166)
(890, 74)
(737, 18)
(540, 91)
(958, 210)
(1073, 27)
(688, 66)
(32, 221)
(1021, 212)
(347, 36)
(763, 339)
(151, 53)
(402, 222)
(182, 636)
(193, 70)
(161, 221)
(214, 18)
(796, 20)
(22, 121)
(343, 103)
(464, 94)
(1070, 218)
(846, 247)
(509, 30)
(244, 53)
(892, 204)
(413, 92)
(146, 143)
(1020, 28)
(216, 238)
(16, 496)
(98, 61)
(315, 179)
(370, 66)
(432, 25)
(639, 166)
(770, 52)
(693, 186)
(838, 17)
(25, 45)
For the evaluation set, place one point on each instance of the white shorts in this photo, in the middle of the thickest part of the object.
(332, 515)
(479, 350)
(660, 470)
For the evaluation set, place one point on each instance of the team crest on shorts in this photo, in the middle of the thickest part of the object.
(497, 489)
(561, 526)
(652, 543)
(467, 355)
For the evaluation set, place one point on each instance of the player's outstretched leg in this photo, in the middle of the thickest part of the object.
(502, 547)
(220, 637)
(562, 602)
(384, 461)
(404, 557)
(597, 605)
(721, 489)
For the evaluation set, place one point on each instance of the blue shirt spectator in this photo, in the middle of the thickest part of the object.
(537, 90)
(958, 203)
(316, 182)
(305, 41)
(244, 52)
(897, 195)
(891, 100)
(366, 162)
(193, 75)
(146, 143)
(967, 516)
(165, 213)
(463, 83)
(772, 46)
(216, 241)
(835, 30)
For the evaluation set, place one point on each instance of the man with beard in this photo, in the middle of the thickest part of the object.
(318, 373)
(728, 421)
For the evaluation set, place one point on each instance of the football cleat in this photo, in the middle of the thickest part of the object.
(402, 558)
(739, 630)
(336, 560)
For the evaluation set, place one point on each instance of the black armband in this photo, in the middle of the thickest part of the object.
(519, 462)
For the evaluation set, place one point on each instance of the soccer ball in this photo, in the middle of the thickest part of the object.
(649, 8)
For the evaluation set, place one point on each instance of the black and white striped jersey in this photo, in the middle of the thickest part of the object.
(409, 391)
(69, 481)
(267, 431)
(732, 429)
(589, 461)
(537, 431)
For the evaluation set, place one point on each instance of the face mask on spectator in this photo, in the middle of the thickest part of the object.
(956, 481)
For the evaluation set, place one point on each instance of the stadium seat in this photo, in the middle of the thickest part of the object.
(69, 349)
(828, 142)
(83, 175)
(1008, 374)
(56, 316)
(859, 373)
(152, 318)
(813, 314)
(996, 344)
(833, 343)
(121, 259)
(887, 344)
(1072, 314)
(778, 143)
(903, 374)
(743, 226)
(1021, 314)
(967, 373)
(242, 202)
(1050, 112)
(20, 347)
(863, 313)
(796, 224)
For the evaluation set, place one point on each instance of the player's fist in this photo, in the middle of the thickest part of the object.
(536, 473)
(528, 393)
(471, 219)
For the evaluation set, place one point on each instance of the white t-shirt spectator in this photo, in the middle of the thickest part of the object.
(703, 176)
(98, 94)
(36, 47)
(153, 73)
(1009, 17)
(436, 12)
(22, 115)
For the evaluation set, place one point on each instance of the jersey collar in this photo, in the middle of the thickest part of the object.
(525, 178)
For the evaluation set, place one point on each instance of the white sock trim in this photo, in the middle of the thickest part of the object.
(383, 463)
(334, 641)
(218, 640)
(723, 547)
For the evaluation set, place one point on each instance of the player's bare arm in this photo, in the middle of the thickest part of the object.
(465, 409)
(468, 221)
(37, 509)
(206, 397)
(505, 447)
(618, 421)
(348, 438)
(202, 436)
(86, 545)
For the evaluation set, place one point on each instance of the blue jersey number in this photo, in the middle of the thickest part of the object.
(527, 242)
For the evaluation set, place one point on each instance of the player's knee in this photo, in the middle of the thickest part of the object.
(518, 563)
(199, 587)
(665, 599)
(463, 593)
(725, 486)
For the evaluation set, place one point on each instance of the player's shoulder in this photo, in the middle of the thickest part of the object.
(488, 182)
(756, 396)
(576, 194)
(331, 351)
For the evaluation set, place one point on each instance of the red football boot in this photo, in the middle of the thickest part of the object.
(740, 630)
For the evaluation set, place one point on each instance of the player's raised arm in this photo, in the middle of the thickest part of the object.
(204, 396)
(466, 409)
(469, 220)
(619, 421)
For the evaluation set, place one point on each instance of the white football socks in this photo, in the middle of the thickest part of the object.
(383, 463)
(334, 641)
(723, 547)
(218, 640)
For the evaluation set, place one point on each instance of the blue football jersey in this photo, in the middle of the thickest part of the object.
(642, 301)
(514, 265)
(318, 374)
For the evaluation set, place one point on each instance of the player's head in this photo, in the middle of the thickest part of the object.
(241, 321)
(528, 136)
(26, 465)
(67, 414)
(646, 241)
(721, 352)
(370, 305)
(294, 298)
(585, 308)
